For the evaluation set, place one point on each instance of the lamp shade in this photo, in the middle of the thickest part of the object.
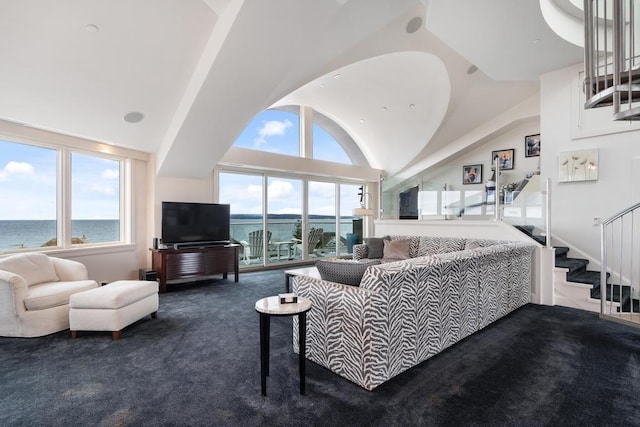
(361, 211)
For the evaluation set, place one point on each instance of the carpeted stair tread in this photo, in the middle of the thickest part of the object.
(584, 276)
(624, 299)
(578, 273)
(573, 264)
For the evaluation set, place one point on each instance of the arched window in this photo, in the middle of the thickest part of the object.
(275, 131)
(325, 147)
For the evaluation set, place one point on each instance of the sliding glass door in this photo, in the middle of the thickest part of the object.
(244, 195)
(284, 219)
(280, 220)
(321, 237)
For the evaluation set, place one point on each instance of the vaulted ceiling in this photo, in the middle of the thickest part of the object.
(198, 71)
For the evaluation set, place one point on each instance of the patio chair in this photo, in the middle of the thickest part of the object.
(315, 235)
(254, 248)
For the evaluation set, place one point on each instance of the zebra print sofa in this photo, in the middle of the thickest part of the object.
(405, 312)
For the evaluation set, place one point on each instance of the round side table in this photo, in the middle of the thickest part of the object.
(271, 306)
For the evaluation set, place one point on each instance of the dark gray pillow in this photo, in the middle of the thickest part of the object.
(343, 271)
(375, 246)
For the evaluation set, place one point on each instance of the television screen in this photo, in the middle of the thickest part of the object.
(195, 223)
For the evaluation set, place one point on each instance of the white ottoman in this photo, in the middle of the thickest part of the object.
(112, 307)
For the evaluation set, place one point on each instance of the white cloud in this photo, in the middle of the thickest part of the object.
(102, 189)
(16, 168)
(271, 128)
(110, 174)
(280, 190)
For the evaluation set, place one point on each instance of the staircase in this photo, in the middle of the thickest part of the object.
(577, 286)
(612, 67)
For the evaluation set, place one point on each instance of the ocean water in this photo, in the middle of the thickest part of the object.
(35, 233)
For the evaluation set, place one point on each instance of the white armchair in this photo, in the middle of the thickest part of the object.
(35, 291)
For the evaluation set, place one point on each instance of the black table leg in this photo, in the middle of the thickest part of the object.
(264, 350)
(287, 283)
(302, 344)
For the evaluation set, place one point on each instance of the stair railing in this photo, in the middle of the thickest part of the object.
(619, 266)
(612, 56)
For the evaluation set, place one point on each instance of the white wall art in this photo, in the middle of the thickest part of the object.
(579, 165)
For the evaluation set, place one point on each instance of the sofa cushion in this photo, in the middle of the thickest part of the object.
(375, 246)
(395, 250)
(46, 295)
(34, 268)
(348, 272)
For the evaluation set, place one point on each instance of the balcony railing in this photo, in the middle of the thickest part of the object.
(286, 243)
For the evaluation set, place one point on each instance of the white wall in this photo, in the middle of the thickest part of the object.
(452, 173)
(574, 205)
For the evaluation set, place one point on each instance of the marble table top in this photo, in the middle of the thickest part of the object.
(271, 305)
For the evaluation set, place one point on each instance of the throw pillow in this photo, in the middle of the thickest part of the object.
(375, 246)
(396, 249)
(347, 272)
(472, 244)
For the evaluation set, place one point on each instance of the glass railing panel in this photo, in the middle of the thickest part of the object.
(526, 207)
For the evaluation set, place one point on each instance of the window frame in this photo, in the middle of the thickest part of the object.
(124, 157)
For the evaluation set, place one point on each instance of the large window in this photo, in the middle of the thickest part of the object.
(32, 186)
(287, 234)
(322, 219)
(95, 199)
(28, 191)
(284, 211)
(289, 215)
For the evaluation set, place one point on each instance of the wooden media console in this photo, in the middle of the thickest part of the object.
(194, 263)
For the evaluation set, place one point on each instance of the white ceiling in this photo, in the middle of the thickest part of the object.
(199, 70)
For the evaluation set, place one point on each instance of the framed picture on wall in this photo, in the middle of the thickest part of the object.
(505, 158)
(532, 145)
(472, 174)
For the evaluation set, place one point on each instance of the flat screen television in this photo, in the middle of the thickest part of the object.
(186, 223)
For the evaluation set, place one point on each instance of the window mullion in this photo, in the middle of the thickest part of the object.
(64, 198)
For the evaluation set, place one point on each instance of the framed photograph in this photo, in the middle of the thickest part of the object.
(505, 158)
(580, 165)
(472, 174)
(532, 145)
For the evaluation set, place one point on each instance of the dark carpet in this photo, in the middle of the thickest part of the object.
(198, 365)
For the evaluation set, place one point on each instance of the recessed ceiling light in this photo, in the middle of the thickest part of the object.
(335, 76)
(384, 108)
(91, 28)
(414, 25)
(536, 41)
(133, 117)
(412, 105)
(322, 85)
(361, 120)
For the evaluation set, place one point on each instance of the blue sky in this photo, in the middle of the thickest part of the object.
(28, 180)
